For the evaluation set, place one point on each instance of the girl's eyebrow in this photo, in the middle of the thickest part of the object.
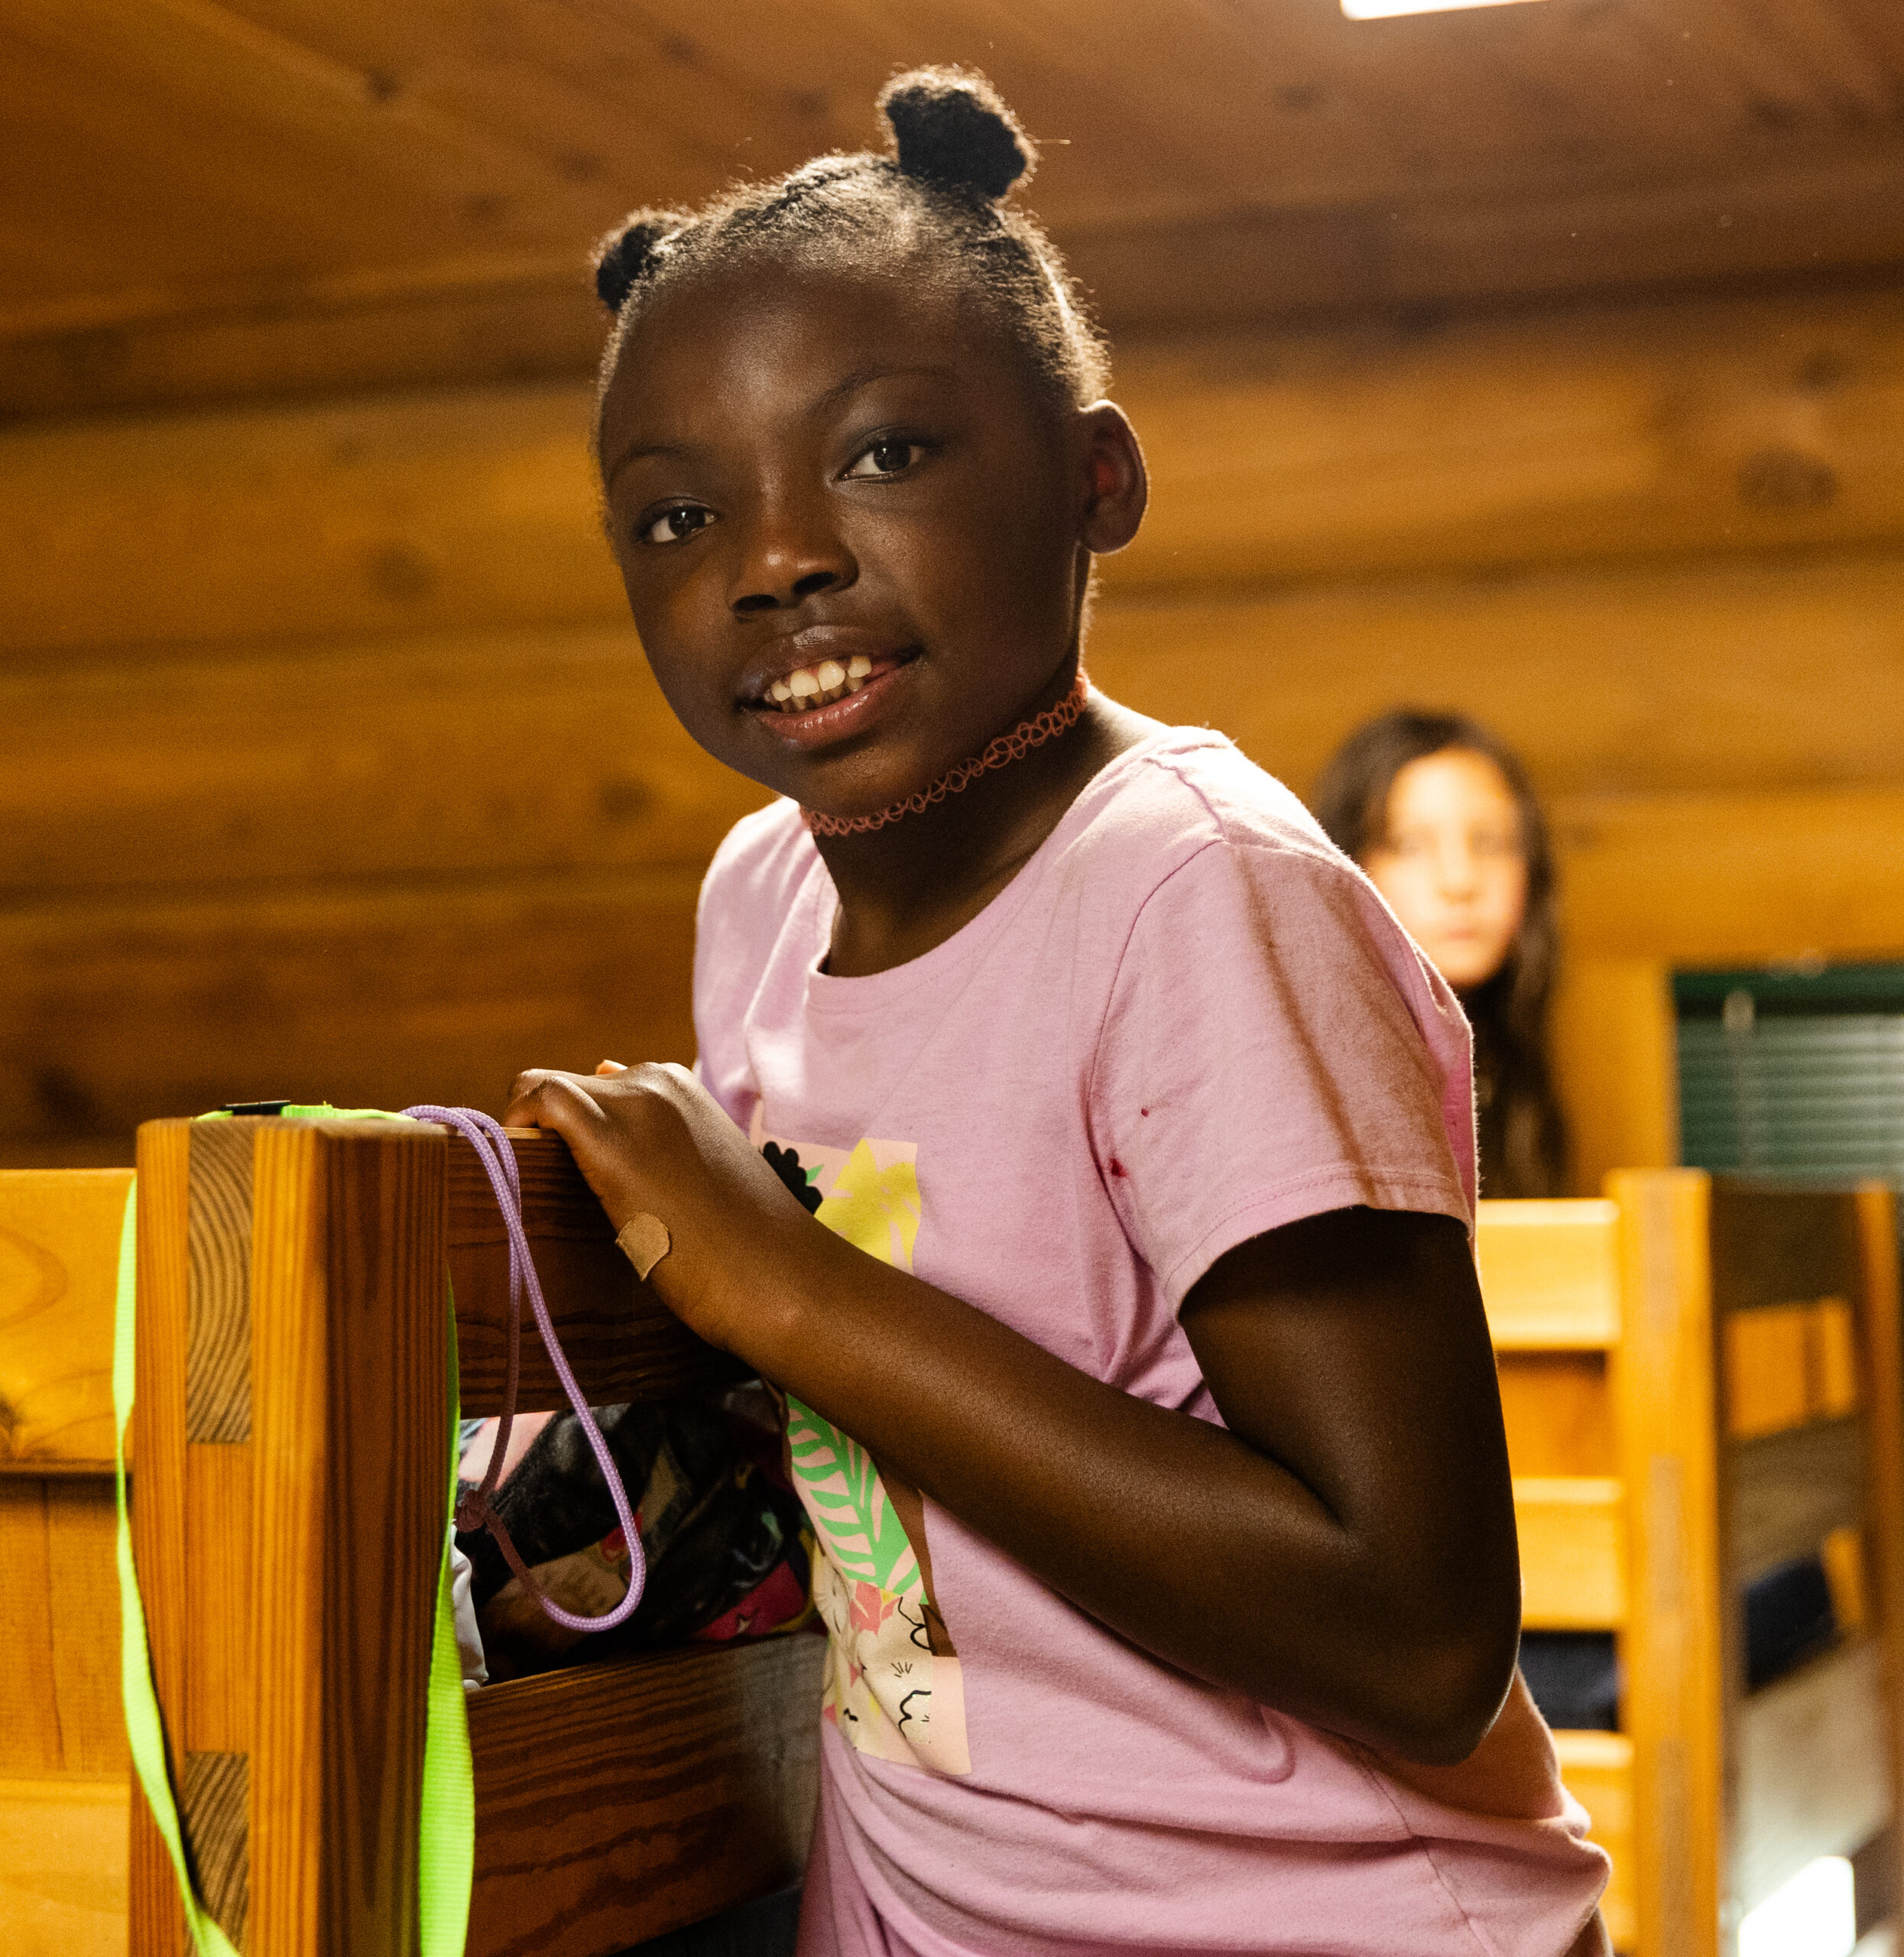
(864, 377)
(850, 384)
(639, 454)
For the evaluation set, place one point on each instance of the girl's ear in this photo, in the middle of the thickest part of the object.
(1117, 487)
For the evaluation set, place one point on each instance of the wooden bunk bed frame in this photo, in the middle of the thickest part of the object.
(1700, 1380)
(291, 1422)
(1680, 1413)
(64, 1765)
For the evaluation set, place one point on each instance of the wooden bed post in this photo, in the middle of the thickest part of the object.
(1674, 1700)
(1880, 1324)
(292, 1410)
(293, 1425)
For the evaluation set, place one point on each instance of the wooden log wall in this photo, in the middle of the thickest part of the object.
(330, 766)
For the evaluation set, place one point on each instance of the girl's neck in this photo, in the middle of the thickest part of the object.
(909, 887)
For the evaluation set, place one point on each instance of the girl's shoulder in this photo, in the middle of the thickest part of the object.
(760, 866)
(1183, 791)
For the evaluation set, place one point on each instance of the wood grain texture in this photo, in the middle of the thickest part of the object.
(1214, 164)
(271, 346)
(1785, 1493)
(620, 1341)
(383, 995)
(351, 1412)
(218, 1381)
(220, 1582)
(1623, 434)
(59, 1273)
(159, 1507)
(476, 978)
(30, 1736)
(62, 1861)
(1573, 1551)
(1813, 1777)
(1549, 1275)
(415, 742)
(136, 767)
(1610, 432)
(1673, 1695)
(616, 1802)
(213, 1805)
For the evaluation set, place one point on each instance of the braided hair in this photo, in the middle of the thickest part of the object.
(934, 206)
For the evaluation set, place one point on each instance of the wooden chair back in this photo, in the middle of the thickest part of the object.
(1700, 1381)
(293, 1405)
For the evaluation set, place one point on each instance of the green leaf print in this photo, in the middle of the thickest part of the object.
(844, 1495)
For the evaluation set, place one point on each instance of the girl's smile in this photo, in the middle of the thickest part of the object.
(839, 688)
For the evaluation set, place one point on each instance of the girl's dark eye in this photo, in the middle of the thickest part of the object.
(675, 524)
(886, 457)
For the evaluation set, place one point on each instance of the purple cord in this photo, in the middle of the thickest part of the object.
(485, 1134)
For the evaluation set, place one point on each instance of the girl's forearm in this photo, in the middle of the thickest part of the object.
(1172, 1531)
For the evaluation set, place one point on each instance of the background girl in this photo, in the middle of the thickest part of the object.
(1074, 1139)
(1440, 814)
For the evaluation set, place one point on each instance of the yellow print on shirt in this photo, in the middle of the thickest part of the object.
(887, 1691)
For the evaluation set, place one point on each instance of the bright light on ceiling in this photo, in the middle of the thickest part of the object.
(1387, 10)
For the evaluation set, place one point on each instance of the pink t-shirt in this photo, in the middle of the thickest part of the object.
(1188, 1020)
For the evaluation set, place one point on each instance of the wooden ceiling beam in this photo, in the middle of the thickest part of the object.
(196, 172)
(1624, 433)
(485, 319)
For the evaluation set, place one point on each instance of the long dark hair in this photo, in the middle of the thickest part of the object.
(1522, 1135)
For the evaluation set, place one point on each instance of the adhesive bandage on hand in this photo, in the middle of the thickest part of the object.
(645, 1241)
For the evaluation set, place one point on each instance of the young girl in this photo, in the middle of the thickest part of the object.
(1074, 1139)
(1440, 814)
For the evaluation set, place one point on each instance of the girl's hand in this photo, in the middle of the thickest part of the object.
(652, 1138)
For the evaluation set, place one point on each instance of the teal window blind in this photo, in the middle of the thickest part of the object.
(1794, 1072)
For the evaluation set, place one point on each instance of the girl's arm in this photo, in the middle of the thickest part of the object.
(1344, 1552)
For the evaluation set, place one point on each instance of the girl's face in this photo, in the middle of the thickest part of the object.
(1450, 863)
(854, 540)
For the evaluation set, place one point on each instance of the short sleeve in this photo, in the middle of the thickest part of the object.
(753, 883)
(1274, 1047)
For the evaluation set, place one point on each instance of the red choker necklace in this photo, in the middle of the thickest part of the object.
(1012, 746)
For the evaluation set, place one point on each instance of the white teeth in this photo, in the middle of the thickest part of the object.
(819, 686)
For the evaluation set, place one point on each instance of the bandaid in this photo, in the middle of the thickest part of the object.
(645, 1241)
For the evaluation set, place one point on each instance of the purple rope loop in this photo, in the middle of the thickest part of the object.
(484, 1134)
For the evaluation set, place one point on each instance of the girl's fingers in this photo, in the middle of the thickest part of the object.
(610, 1067)
(529, 1102)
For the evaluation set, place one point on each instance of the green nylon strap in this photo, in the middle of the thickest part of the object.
(446, 1835)
(143, 1728)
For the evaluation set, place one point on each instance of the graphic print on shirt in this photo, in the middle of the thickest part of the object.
(887, 1690)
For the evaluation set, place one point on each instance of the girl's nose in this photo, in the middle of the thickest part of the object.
(787, 560)
(1458, 876)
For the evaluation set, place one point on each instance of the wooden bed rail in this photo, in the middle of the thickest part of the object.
(1701, 1380)
(292, 1417)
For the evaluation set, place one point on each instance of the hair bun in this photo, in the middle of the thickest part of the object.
(952, 129)
(622, 259)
